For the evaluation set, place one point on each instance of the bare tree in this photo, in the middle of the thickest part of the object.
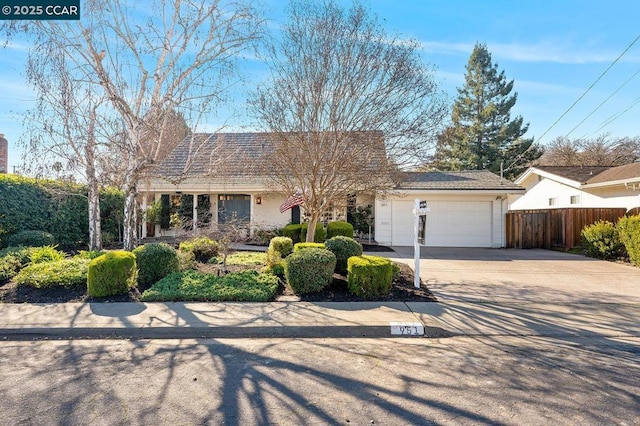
(347, 106)
(67, 126)
(601, 151)
(176, 54)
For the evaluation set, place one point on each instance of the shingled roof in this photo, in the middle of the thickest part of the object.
(462, 180)
(224, 156)
(580, 174)
(620, 173)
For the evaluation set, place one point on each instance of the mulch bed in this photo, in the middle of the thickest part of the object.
(402, 290)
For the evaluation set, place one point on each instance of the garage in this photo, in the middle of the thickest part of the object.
(449, 223)
(466, 209)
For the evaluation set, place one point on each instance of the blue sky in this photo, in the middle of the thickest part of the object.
(554, 50)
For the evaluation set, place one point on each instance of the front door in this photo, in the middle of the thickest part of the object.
(234, 208)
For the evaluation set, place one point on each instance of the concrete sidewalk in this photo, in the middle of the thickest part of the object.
(314, 320)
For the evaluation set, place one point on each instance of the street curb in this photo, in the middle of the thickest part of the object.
(223, 332)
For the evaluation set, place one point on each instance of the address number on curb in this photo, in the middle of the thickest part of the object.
(407, 329)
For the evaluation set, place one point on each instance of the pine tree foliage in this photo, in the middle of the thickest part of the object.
(482, 134)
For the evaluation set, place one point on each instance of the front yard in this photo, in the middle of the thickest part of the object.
(208, 282)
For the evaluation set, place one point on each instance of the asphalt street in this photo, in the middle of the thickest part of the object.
(457, 381)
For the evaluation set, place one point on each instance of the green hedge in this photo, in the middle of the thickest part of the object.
(309, 270)
(369, 276)
(339, 228)
(155, 261)
(58, 208)
(601, 240)
(343, 247)
(629, 233)
(113, 273)
(247, 286)
(66, 273)
(292, 231)
(319, 236)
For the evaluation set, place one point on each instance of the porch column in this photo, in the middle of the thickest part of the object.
(144, 222)
(195, 212)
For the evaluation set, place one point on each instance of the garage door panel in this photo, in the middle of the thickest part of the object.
(449, 223)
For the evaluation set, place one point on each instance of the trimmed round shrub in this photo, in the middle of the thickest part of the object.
(284, 245)
(343, 247)
(31, 239)
(369, 276)
(303, 246)
(339, 227)
(319, 236)
(629, 232)
(601, 240)
(203, 248)
(66, 273)
(113, 273)
(292, 231)
(155, 261)
(309, 270)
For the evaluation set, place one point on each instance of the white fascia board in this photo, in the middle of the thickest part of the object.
(569, 182)
(629, 181)
(463, 191)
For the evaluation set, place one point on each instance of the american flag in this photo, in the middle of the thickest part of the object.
(294, 200)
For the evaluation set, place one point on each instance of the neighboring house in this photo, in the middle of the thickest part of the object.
(549, 187)
(467, 209)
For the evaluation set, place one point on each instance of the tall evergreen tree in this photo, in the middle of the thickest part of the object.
(482, 134)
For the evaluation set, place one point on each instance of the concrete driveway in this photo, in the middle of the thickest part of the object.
(516, 276)
(491, 292)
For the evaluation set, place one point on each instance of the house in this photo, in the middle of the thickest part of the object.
(551, 187)
(218, 174)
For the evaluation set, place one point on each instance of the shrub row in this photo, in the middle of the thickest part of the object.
(298, 232)
(311, 266)
(606, 240)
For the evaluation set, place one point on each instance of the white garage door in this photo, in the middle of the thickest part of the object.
(449, 223)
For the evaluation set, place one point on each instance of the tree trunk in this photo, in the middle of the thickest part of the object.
(95, 231)
(93, 192)
(311, 230)
(130, 226)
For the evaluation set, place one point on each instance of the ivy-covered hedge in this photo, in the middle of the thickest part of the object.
(58, 208)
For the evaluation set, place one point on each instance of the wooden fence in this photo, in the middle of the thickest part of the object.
(554, 228)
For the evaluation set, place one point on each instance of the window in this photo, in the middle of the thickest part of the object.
(553, 202)
(575, 199)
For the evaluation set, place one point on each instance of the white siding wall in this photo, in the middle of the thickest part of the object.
(539, 192)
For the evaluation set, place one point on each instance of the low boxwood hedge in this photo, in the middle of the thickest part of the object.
(369, 276)
(113, 273)
(339, 227)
